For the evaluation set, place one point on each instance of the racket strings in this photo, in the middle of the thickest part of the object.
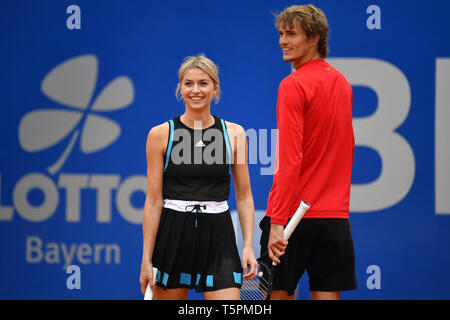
(255, 289)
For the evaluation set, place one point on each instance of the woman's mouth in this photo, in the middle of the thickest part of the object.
(196, 99)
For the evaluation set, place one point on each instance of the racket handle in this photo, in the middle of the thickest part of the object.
(148, 290)
(148, 293)
(298, 215)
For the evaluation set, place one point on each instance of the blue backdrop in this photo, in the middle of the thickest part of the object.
(82, 86)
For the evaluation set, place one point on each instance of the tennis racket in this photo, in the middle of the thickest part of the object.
(260, 287)
(148, 290)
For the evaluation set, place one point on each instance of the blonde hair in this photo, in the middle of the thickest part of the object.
(311, 19)
(206, 65)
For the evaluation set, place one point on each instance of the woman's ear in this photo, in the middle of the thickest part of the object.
(216, 94)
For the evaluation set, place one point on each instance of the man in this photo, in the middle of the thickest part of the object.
(314, 161)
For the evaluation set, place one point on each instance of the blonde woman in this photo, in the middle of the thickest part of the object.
(187, 228)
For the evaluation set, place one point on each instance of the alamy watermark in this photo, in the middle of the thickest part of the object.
(74, 280)
(374, 280)
(252, 148)
(374, 20)
(74, 20)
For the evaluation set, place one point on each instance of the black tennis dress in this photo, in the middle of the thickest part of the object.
(195, 245)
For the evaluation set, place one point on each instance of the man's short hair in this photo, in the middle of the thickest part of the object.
(311, 19)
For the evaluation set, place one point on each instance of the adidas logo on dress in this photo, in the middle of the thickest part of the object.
(200, 144)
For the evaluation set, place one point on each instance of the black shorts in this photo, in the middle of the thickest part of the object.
(322, 247)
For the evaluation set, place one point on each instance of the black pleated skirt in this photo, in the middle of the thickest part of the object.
(196, 251)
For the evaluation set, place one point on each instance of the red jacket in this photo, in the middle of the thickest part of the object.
(315, 144)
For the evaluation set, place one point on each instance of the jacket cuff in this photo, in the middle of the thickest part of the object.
(281, 221)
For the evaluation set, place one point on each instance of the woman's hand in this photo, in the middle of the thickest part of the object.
(249, 260)
(146, 275)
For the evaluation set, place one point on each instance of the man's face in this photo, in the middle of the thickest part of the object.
(296, 46)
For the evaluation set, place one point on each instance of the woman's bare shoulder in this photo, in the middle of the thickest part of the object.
(158, 134)
(234, 128)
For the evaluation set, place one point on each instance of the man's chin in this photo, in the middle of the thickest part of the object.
(287, 58)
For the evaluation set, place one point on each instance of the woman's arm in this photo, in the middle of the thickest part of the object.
(244, 197)
(156, 145)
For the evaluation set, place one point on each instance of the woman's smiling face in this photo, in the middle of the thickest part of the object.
(197, 89)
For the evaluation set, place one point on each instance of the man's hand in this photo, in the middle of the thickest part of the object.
(277, 245)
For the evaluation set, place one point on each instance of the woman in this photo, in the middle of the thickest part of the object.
(187, 228)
